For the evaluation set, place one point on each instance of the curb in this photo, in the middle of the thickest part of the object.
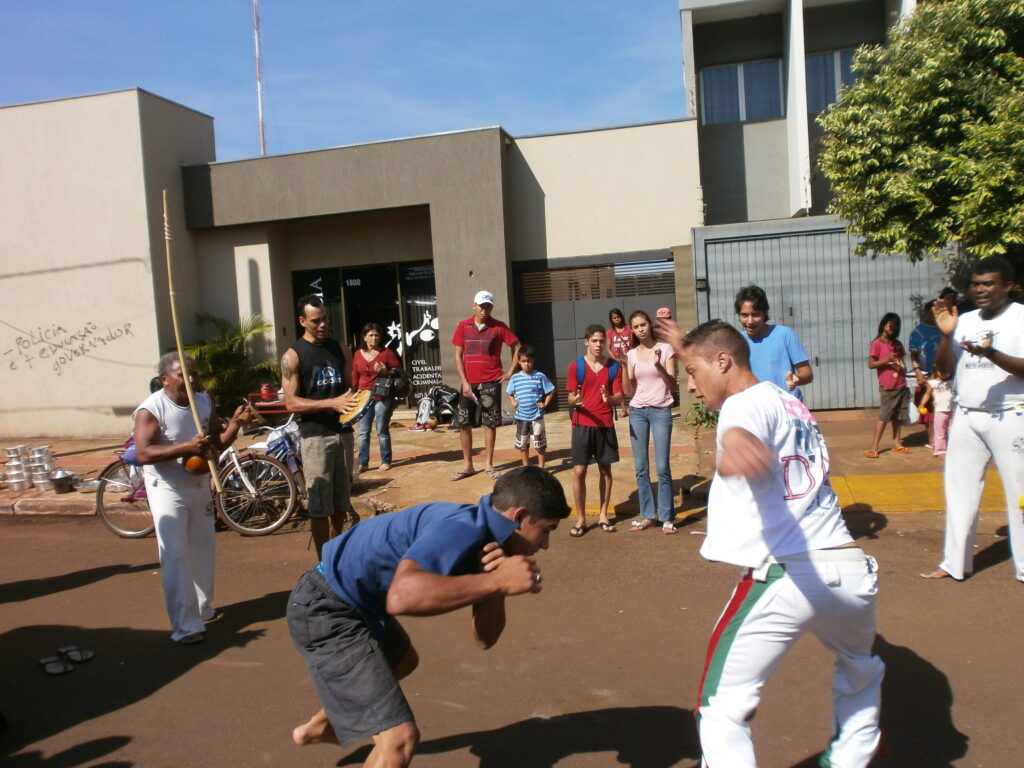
(53, 507)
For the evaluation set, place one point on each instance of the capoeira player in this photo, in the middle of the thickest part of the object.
(773, 512)
(987, 348)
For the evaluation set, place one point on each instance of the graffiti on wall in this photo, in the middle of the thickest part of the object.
(54, 348)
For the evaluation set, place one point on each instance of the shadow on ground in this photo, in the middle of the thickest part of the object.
(641, 737)
(30, 589)
(863, 522)
(129, 665)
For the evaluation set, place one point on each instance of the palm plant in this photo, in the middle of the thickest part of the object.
(227, 363)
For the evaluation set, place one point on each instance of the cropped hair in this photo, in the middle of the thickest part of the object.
(533, 488)
(715, 336)
(886, 319)
(592, 329)
(994, 264)
(309, 300)
(526, 351)
(169, 358)
(756, 296)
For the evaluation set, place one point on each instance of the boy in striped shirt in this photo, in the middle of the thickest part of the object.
(530, 392)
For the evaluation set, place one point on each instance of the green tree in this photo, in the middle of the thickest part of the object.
(926, 149)
(227, 364)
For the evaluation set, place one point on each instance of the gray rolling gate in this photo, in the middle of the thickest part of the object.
(815, 285)
(556, 305)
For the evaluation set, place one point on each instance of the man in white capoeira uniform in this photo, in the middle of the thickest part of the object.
(773, 512)
(987, 348)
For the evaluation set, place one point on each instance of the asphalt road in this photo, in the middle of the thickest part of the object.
(599, 669)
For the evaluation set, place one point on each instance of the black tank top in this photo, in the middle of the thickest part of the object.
(322, 375)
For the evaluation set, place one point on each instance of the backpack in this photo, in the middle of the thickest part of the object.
(612, 368)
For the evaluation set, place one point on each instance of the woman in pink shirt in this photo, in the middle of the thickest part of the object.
(650, 381)
(885, 356)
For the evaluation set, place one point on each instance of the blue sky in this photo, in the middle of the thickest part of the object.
(341, 72)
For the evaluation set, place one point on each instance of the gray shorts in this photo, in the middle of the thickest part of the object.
(325, 465)
(484, 411)
(531, 431)
(351, 672)
(894, 404)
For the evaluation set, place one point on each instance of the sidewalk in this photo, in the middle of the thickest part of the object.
(424, 461)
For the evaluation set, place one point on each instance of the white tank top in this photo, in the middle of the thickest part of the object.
(176, 426)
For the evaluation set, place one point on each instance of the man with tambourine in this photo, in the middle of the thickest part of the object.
(315, 374)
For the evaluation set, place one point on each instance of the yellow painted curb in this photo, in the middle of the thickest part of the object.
(910, 492)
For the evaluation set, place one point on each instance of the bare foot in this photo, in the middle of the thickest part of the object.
(317, 731)
(938, 573)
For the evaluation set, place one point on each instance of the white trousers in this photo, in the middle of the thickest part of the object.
(975, 437)
(764, 618)
(185, 539)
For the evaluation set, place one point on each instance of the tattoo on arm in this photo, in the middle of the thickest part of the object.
(286, 367)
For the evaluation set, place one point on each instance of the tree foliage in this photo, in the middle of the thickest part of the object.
(927, 147)
(227, 365)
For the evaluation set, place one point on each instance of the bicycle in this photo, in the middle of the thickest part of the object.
(260, 490)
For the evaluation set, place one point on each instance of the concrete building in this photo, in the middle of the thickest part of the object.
(399, 232)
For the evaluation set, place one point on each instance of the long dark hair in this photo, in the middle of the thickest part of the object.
(615, 311)
(366, 329)
(886, 319)
(650, 323)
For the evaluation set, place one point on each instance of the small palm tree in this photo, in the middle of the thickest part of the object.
(226, 363)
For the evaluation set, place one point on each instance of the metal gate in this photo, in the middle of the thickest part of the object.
(831, 298)
(556, 305)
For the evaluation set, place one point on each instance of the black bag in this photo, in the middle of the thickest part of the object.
(393, 383)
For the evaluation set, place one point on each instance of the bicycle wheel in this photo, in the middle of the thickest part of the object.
(121, 501)
(266, 508)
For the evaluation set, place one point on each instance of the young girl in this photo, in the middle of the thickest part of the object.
(650, 381)
(370, 361)
(885, 356)
(940, 396)
(620, 337)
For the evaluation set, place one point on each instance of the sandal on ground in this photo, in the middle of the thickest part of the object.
(900, 449)
(871, 454)
(492, 473)
(608, 527)
(195, 637)
(577, 530)
(56, 665)
(75, 653)
(642, 524)
(668, 528)
(460, 475)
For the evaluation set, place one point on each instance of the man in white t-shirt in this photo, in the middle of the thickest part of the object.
(772, 511)
(987, 348)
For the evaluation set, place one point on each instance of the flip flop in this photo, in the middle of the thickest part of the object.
(641, 525)
(492, 473)
(577, 530)
(461, 476)
(75, 653)
(56, 665)
(871, 454)
(900, 449)
(608, 527)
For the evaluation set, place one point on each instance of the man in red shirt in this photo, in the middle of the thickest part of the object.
(478, 341)
(593, 434)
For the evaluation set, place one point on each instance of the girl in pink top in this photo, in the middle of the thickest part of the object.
(620, 337)
(650, 381)
(885, 357)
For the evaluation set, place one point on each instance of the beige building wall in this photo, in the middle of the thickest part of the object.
(604, 192)
(79, 336)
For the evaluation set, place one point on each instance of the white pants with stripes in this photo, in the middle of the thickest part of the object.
(764, 618)
(185, 539)
(975, 437)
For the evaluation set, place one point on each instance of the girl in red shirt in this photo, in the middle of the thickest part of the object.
(370, 361)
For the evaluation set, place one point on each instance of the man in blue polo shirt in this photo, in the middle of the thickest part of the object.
(425, 560)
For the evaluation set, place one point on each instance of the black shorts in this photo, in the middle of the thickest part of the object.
(352, 673)
(484, 411)
(594, 445)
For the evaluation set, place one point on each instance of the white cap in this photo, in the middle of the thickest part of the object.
(484, 297)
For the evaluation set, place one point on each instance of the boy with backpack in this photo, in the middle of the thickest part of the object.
(594, 386)
(530, 392)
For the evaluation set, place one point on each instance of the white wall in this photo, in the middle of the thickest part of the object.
(608, 191)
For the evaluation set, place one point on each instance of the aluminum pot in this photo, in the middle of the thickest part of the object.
(63, 481)
(19, 485)
(14, 465)
(14, 477)
(43, 485)
(17, 450)
(42, 450)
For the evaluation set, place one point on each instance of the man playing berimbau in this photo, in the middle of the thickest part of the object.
(422, 561)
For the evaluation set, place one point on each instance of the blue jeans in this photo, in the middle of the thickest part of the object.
(380, 412)
(643, 422)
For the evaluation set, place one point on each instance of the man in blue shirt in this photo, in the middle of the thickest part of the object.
(422, 561)
(776, 353)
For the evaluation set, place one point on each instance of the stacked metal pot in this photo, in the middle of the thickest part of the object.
(29, 468)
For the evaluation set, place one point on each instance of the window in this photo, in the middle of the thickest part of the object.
(741, 92)
(827, 73)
